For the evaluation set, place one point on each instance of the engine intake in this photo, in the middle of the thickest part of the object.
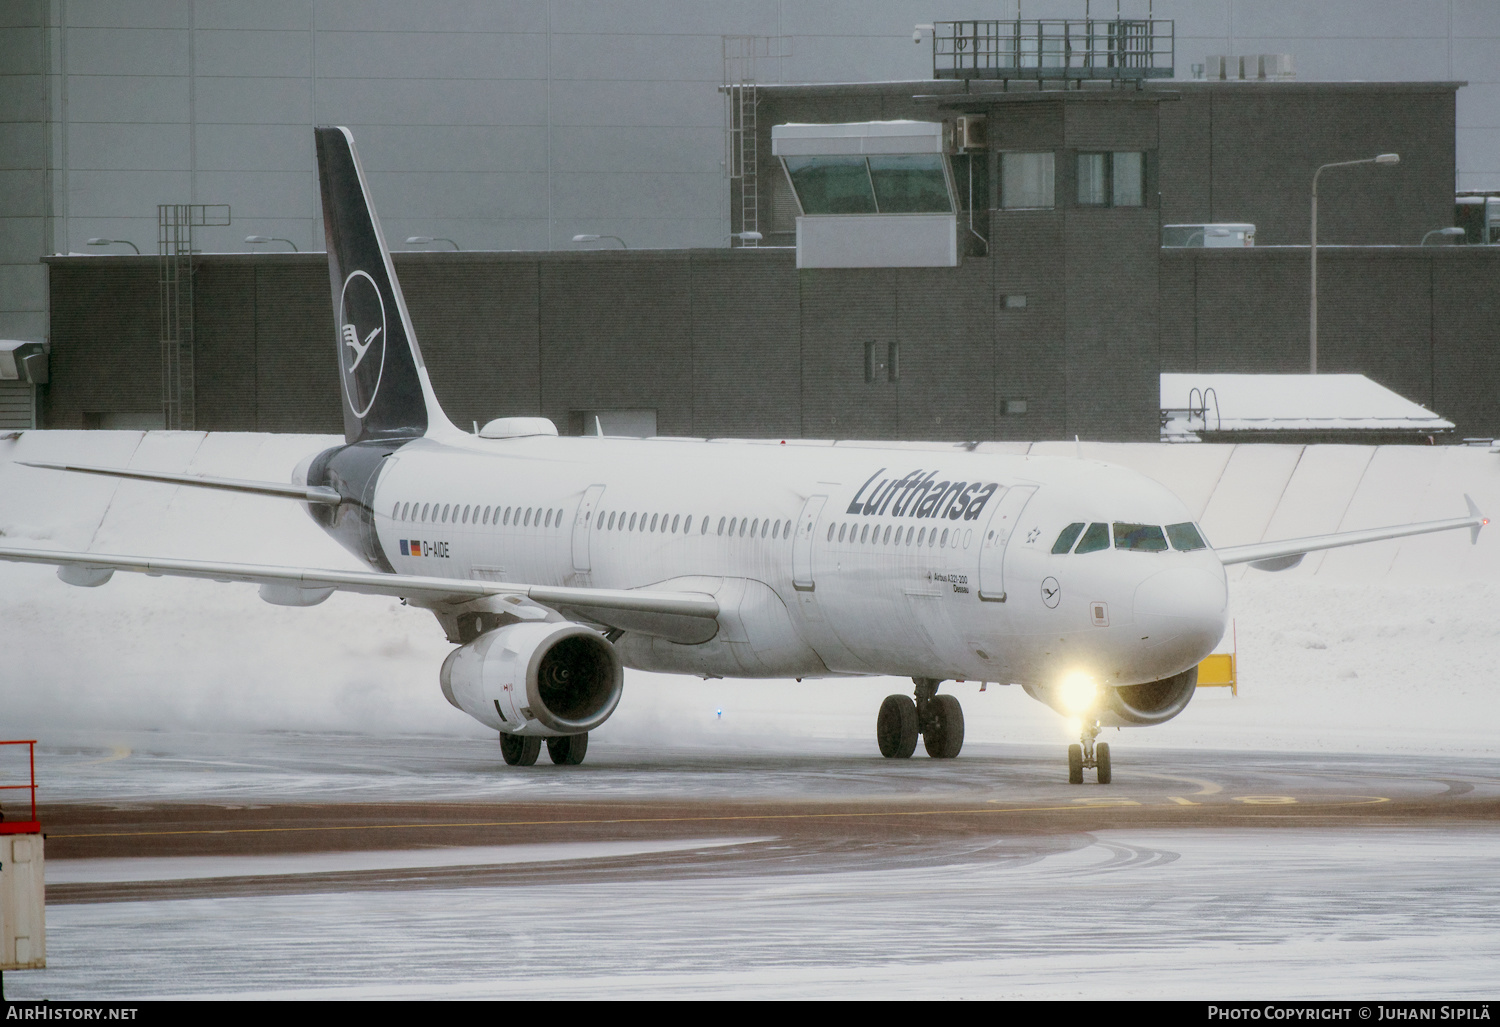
(548, 678)
(1154, 702)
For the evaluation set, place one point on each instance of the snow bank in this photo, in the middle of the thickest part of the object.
(1389, 646)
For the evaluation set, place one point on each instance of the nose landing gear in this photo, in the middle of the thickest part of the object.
(939, 719)
(1085, 754)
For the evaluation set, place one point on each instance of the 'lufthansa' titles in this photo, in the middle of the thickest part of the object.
(920, 495)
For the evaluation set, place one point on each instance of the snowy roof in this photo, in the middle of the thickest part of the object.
(1291, 402)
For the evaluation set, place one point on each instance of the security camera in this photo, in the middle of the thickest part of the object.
(916, 36)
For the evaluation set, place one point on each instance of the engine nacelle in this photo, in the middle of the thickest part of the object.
(1154, 702)
(536, 678)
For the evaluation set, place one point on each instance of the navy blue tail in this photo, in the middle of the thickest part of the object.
(379, 362)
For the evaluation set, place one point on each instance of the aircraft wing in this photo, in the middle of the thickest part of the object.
(316, 494)
(1276, 556)
(92, 568)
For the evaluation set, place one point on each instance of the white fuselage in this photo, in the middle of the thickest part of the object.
(824, 560)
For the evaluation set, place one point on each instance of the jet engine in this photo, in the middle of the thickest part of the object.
(545, 678)
(1152, 702)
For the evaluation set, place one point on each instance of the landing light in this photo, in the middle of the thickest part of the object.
(1077, 693)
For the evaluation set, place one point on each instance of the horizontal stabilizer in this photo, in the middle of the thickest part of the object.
(305, 493)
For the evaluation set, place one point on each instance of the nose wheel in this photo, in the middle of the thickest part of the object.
(1085, 755)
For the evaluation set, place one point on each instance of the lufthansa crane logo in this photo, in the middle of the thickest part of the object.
(362, 335)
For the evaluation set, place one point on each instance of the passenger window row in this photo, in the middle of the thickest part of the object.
(878, 535)
(453, 513)
(618, 520)
(1145, 538)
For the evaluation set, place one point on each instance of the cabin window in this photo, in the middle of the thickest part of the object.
(1147, 538)
(921, 535)
(1094, 539)
(1186, 537)
(732, 522)
(945, 537)
(776, 530)
(864, 535)
(754, 527)
(765, 526)
(721, 525)
(548, 523)
(968, 537)
(675, 519)
(887, 540)
(396, 512)
(743, 523)
(703, 530)
(653, 522)
(1067, 538)
(611, 525)
(841, 532)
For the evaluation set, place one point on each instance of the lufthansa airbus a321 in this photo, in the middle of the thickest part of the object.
(553, 563)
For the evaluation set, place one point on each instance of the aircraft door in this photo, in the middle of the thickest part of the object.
(583, 527)
(802, 544)
(992, 550)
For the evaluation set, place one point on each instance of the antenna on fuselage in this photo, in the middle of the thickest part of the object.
(1077, 447)
(598, 428)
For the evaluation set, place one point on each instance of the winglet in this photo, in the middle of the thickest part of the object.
(1474, 512)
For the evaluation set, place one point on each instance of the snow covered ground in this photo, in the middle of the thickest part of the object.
(1199, 914)
(1385, 647)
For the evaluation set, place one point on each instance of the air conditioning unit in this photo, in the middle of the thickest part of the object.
(969, 133)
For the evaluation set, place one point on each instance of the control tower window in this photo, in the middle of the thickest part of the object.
(832, 185)
(1026, 181)
(910, 184)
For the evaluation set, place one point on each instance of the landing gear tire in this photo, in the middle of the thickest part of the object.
(520, 750)
(896, 727)
(568, 750)
(1101, 757)
(943, 734)
(1075, 764)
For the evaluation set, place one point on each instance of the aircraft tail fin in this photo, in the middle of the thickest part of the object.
(387, 393)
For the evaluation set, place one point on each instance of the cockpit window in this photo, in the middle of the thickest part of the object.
(1186, 537)
(1067, 538)
(1096, 538)
(1145, 537)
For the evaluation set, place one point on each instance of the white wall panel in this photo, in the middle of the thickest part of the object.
(104, 194)
(432, 101)
(121, 51)
(273, 54)
(256, 194)
(645, 195)
(625, 150)
(691, 58)
(444, 55)
(668, 17)
(140, 14)
(254, 148)
(20, 191)
(129, 98)
(261, 15)
(451, 148)
(636, 103)
(23, 144)
(460, 195)
(434, 15)
(1390, 492)
(121, 147)
(255, 101)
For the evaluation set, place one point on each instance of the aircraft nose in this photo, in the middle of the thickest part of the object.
(1182, 611)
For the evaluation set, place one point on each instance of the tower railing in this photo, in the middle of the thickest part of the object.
(1121, 49)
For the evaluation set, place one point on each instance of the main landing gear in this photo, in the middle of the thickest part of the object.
(523, 750)
(939, 719)
(1085, 754)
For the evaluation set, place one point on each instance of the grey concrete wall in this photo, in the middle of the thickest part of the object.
(25, 201)
(1418, 320)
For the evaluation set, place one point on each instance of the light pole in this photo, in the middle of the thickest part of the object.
(272, 238)
(596, 238)
(1312, 321)
(110, 242)
(423, 240)
(1446, 233)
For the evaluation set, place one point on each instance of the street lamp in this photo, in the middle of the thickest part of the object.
(272, 238)
(1447, 233)
(1312, 321)
(110, 242)
(423, 240)
(596, 238)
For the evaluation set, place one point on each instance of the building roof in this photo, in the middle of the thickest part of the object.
(1194, 403)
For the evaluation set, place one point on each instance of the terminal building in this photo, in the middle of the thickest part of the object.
(1018, 247)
